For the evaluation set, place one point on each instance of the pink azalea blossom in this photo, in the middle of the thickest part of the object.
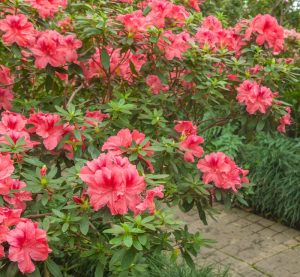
(113, 182)
(54, 49)
(17, 199)
(17, 136)
(191, 147)
(27, 242)
(254, 96)
(47, 8)
(17, 29)
(268, 31)
(6, 166)
(185, 127)
(148, 202)
(195, 4)
(6, 98)
(117, 145)
(222, 171)
(155, 84)
(255, 69)
(285, 120)
(174, 45)
(47, 126)
(134, 23)
(5, 76)
(95, 117)
(11, 121)
(211, 23)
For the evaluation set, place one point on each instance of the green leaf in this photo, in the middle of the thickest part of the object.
(105, 59)
(84, 225)
(143, 239)
(187, 257)
(128, 258)
(58, 213)
(12, 270)
(99, 269)
(128, 241)
(33, 161)
(201, 212)
(53, 268)
(137, 245)
(65, 227)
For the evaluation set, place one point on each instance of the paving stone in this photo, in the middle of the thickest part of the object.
(267, 233)
(251, 245)
(278, 227)
(254, 227)
(253, 217)
(285, 263)
(251, 272)
(292, 233)
(265, 222)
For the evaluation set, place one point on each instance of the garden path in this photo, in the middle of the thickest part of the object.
(250, 245)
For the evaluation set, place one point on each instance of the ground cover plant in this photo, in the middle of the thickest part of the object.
(107, 106)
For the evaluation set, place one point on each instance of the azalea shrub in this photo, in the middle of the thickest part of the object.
(106, 106)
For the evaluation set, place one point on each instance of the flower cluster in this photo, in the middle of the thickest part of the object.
(134, 142)
(222, 171)
(255, 97)
(285, 120)
(267, 30)
(47, 8)
(114, 182)
(189, 140)
(47, 47)
(27, 242)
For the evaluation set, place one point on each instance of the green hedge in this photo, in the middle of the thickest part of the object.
(274, 161)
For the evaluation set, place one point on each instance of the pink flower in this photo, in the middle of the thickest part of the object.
(70, 45)
(194, 4)
(6, 98)
(191, 147)
(148, 202)
(117, 145)
(222, 171)
(95, 117)
(27, 242)
(185, 127)
(5, 77)
(6, 166)
(122, 143)
(18, 198)
(51, 48)
(211, 23)
(267, 30)
(8, 218)
(155, 84)
(47, 127)
(12, 122)
(255, 69)
(113, 182)
(17, 136)
(285, 120)
(47, 8)
(254, 96)
(18, 30)
(134, 23)
(174, 45)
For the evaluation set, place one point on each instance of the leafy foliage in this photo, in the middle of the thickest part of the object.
(275, 159)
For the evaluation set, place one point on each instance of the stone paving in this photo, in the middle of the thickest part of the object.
(251, 246)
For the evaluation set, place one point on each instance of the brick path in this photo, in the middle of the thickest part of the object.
(250, 245)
